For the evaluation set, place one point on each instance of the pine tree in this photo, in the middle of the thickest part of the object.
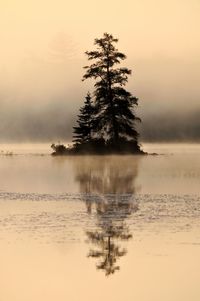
(83, 132)
(114, 106)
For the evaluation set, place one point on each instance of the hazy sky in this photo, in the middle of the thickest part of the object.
(42, 55)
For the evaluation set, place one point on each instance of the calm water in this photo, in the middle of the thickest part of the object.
(100, 228)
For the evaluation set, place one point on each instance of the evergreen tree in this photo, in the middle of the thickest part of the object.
(114, 106)
(83, 131)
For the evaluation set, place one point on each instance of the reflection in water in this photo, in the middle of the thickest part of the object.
(111, 228)
(107, 175)
(108, 185)
(109, 251)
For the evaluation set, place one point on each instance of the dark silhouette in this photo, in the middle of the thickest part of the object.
(108, 187)
(107, 121)
(83, 132)
(59, 149)
(114, 116)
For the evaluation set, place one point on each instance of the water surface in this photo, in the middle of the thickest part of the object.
(100, 228)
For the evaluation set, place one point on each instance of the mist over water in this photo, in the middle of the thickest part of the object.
(31, 169)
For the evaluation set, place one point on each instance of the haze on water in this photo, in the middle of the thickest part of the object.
(31, 169)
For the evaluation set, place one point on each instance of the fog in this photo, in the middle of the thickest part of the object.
(42, 55)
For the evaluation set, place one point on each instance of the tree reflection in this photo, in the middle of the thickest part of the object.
(108, 187)
(108, 251)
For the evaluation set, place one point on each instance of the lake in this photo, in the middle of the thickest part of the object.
(100, 227)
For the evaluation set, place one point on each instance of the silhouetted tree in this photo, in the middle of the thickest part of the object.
(83, 132)
(114, 106)
(108, 123)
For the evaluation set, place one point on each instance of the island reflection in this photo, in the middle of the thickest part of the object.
(108, 186)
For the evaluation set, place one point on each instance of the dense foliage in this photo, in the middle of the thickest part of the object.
(107, 121)
(114, 106)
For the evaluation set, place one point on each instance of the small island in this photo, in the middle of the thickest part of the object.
(107, 120)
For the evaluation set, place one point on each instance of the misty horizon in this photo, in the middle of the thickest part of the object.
(54, 122)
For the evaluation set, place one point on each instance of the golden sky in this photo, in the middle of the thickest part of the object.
(43, 44)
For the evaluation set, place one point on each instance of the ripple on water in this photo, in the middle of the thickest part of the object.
(62, 218)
